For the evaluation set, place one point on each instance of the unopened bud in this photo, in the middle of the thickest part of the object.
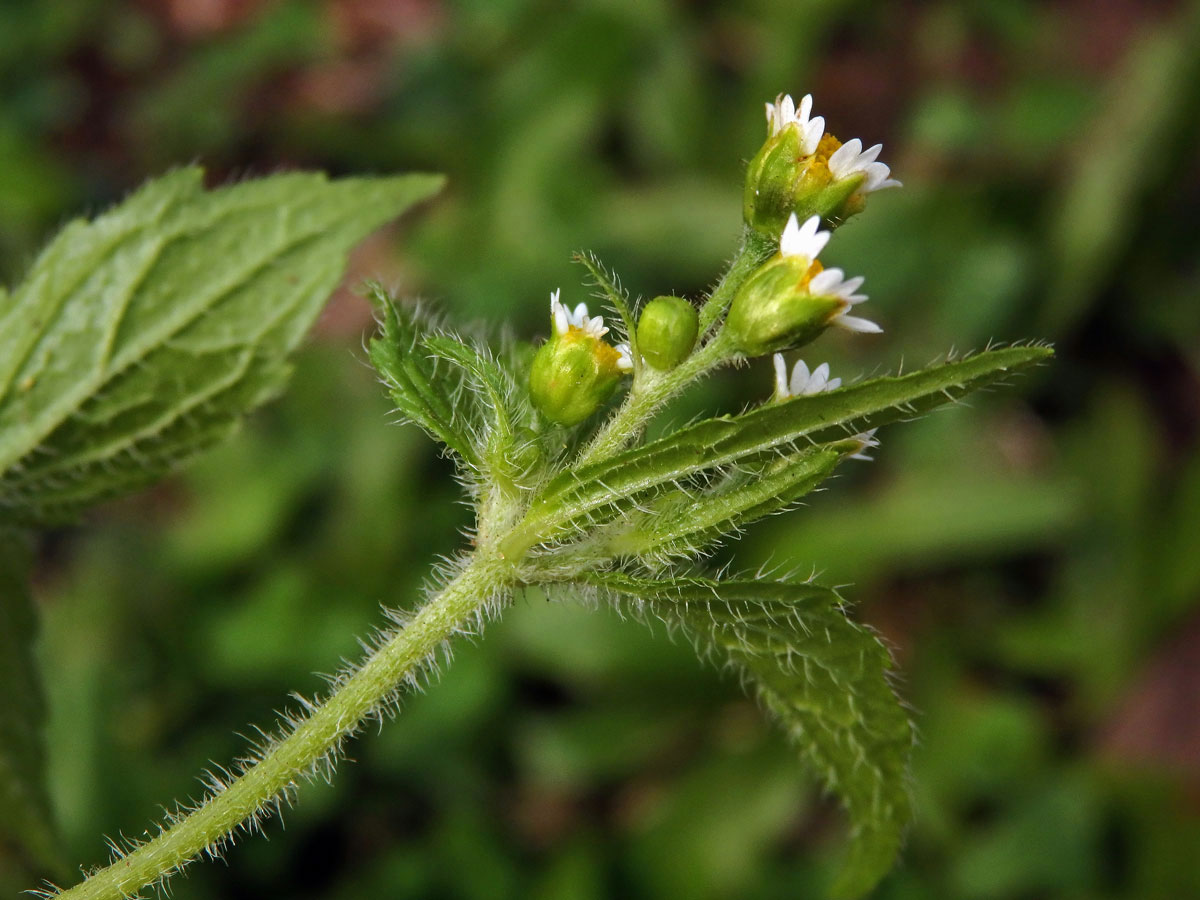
(667, 331)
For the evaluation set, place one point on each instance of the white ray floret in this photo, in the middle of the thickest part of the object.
(803, 383)
(564, 319)
(868, 443)
(805, 240)
(624, 357)
(851, 159)
(783, 112)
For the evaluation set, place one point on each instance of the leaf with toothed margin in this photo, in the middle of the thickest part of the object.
(611, 290)
(426, 391)
(142, 336)
(581, 495)
(821, 675)
(686, 523)
(496, 396)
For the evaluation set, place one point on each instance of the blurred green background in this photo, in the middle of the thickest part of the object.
(1033, 558)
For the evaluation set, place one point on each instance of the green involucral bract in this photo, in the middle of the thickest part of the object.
(769, 192)
(572, 374)
(774, 310)
(780, 182)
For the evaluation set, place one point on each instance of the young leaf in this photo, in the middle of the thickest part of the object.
(28, 841)
(821, 675)
(495, 394)
(142, 336)
(686, 524)
(576, 495)
(611, 290)
(424, 389)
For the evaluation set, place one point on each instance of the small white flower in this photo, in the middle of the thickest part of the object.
(808, 241)
(564, 319)
(803, 383)
(868, 443)
(833, 283)
(851, 159)
(783, 112)
(625, 357)
(805, 240)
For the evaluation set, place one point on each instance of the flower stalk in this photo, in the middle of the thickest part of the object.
(313, 744)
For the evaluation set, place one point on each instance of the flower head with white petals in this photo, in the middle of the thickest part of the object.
(624, 357)
(575, 371)
(851, 159)
(807, 241)
(803, 168)
(565, 319)
(784, 113)
(803, 383)
(869, 442)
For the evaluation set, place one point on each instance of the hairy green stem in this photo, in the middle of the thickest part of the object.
(653, 389)
(649, 393)
(312, 740)
(756, 249)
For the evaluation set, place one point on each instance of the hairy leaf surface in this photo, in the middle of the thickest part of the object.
(142, 336)
(610, 290)
(575, 495)
(687, 523)
(821, 675)
(425, 389)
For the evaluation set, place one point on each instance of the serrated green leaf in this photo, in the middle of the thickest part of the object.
(822, 676)
(686, 523)
(610, 288)
(485, 374)
(578, 495)
(500, 407)
(29, 849)
(142, 336)
(424, 389)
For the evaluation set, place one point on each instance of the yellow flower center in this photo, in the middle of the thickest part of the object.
(826, 148)
(814, 269)
(606, 354)
(817, 165)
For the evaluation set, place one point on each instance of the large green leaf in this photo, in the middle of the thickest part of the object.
(686, 523)
(28, 843)
(821, 675)
(142, 336)
(582, 494)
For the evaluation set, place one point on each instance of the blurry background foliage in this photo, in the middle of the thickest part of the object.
(1034, 559)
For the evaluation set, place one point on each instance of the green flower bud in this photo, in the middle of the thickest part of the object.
(667, 331)
(575, 371)
(774, 310)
